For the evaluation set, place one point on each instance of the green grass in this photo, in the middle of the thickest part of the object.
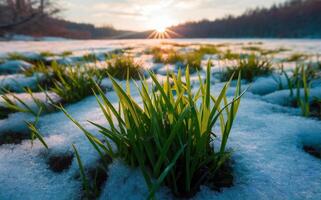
(229, 55)
(273, 51)
(90, 57)
(16, 56)
(301, 78)
(296, 57)
(175, 44)
(173, 57)
(157, 53)
(170, 138)
(13, 103)
(47, 54)
(250, 68)
(208, 49)
(74, 84)
(121, 66)
(193, 60)
(252, 48)
(66, 53)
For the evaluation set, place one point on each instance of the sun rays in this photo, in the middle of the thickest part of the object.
(160, 25)
(163, 34)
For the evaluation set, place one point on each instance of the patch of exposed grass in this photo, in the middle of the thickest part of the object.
(249, 68)
(208, 49)
(17, 56)
(169, 138)
(273, 51)
(193, 60)
(122, 66)
(229, 55)
(90, 57)
(173, 57)
(47, 54)
(175, 44)
(296, 57)
(252, 48)
(74, 84)
(255, 43)
(66, 53)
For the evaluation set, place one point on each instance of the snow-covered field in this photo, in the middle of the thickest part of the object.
(267, 138)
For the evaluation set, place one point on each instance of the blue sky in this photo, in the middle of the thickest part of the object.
(150, 14)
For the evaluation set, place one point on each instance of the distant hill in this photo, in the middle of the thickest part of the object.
(62, 28)
(293, 19)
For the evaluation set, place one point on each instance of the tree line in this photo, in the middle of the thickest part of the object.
(293, 19)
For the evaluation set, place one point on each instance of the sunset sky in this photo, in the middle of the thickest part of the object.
(150, 14)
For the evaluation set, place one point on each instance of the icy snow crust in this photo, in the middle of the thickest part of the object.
(266, 140)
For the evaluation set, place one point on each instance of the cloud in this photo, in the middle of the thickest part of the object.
(139, 14)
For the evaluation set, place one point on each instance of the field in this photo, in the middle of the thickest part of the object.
(74, 125)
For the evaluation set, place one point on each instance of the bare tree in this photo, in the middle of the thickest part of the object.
(14, 13)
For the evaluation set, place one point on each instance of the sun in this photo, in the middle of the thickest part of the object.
(160, 29)
(160, 23)
(160, 26)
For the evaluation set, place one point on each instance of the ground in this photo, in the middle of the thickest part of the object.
(267, 139)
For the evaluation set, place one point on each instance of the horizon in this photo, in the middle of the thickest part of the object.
(145, 15)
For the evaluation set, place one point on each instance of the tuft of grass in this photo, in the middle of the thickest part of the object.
(66, 53)
(175, 44)
(90, 57)
(304, 102)
(250, 68)
(229, 55)
(121, 66)
(157, 53)
(47, 54)
(193, 60)
(296, 57)
(17, 56)
(15, 104)
(74, 84)
(12, 103)
(252, 48)
(265, 52)
(208, 49)
(173, 57)
(169, 138)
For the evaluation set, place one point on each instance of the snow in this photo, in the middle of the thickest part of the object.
(266, 85)
(14, 66)
(17, 82)
(282, 97)
(266, 139)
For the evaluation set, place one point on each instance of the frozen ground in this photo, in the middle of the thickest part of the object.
(266, 139)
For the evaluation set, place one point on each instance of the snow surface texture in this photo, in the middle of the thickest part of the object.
(14, 66)
(17, 82)
(266, 139)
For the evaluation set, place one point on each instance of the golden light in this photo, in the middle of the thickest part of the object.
(160, 26)
(161, 29)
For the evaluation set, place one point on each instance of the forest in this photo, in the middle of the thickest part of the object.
(293, 19)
